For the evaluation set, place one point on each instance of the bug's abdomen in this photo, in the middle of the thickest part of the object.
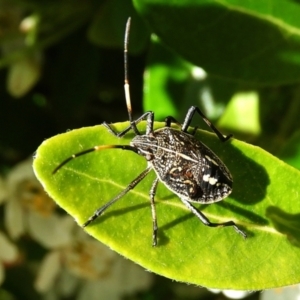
(197, 183)
(193, 172)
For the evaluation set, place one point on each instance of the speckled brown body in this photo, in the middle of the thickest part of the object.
(185, 165)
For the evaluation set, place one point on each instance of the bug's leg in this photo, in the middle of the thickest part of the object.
(153, 211)
(150, 121)
(189, 117)
(169, 120)
(194, 130)
(148, 116)
(206, 222)
(129, 187)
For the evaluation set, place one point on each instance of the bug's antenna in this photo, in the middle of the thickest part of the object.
(126, 79)
(96, 148)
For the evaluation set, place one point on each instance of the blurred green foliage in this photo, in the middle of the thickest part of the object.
(61, 67)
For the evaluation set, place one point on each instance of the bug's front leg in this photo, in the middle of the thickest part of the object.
(169, 120)
(148, 116)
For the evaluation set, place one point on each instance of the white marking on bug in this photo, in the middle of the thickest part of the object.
(171, 151)
(210, 180)
(213, 181)
(210, 159)
(205, 177)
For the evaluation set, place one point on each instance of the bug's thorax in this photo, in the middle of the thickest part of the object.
(146, 145)
(156, 144)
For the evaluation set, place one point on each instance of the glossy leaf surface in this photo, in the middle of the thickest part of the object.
(264, 188)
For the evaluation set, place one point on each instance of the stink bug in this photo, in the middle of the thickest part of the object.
(183, 164)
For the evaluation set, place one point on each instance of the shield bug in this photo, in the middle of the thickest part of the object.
(183, 164)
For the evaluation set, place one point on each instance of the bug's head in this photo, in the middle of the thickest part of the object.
(146, 145)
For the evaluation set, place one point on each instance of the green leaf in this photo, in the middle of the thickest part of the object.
(108, 26)
(242, 112)
(285, 223)
(253, 41)
(172, 84)
(165, 81)
(291, 151)
(187, 250)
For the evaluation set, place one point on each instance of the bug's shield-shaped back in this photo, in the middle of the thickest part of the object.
(185, 165)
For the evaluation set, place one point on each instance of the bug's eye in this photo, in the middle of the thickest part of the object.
(149, 156)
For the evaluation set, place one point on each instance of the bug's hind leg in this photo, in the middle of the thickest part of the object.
(206, 222)
(189, 117)
(153, 211)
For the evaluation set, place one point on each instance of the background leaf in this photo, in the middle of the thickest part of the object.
(187, 250)
(107, 28)
(251, 41)
(291, 151)
(243, 48)
(166, 82)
